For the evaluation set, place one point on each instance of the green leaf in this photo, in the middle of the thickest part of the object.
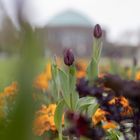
(92, 70)
(64, 83)
(134, 70)
(99, 50)
(74, 100)
(72, 86)
(54, 70)
(58, 114)
(55, 82)
(86, 101)
(113, 135)
(92, 109)
(58, 117)
(72, 79)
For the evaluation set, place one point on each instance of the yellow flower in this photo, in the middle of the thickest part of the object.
(127, 110)
(42, 80)
(113, 101)
(44, 120)
(11, 89)
(80, 74)
(129, 73)
(137, 77)
(81, 66)
(99, 116)
(48, 71)
(124, 102)
(6, 97)
(109, 125)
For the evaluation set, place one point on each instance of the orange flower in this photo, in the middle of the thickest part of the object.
(124, 101)
(45, 120)
(127, 110)
(129, 73)
(99, 116)
(42, 80)
(81, 66)
(113, 101)
(6, 97)
(109, 125)
(10, 89)
(48, 71)
(80, 74)
(137, 77)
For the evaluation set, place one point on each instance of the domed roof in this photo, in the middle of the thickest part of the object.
(70, 18)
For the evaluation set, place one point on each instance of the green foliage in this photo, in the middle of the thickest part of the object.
(55, 82)
(88, 104)
(19, 126)
(92, 69)
(64, 83)
(113, 135)
(72, 84)
(68, 84)
(58, 117)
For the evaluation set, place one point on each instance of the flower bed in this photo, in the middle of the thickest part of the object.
(80, 102)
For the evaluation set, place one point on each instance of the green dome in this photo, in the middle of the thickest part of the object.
(70, 18)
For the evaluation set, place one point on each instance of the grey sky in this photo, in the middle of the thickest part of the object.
(116, 15)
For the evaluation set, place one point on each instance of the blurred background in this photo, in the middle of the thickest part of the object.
(64, 23)
(69, 24)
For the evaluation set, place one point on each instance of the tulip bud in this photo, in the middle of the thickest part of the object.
(97, 32)
(68, 57)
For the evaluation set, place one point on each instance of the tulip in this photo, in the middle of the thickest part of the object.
(97, 32)
(68, 57)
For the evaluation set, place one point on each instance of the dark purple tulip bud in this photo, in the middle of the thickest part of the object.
(97, 32)
(68, 57)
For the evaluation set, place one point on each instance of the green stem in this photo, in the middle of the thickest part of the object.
(60, 136)
(134, 69)
(94, 65)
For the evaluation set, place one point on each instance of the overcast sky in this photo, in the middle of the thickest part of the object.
(116, 15)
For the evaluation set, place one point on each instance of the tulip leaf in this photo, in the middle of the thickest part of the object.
(72, 79)
(54, 70)
(74, 100)
(72, 86)
(113, 135)
(85, 102)
(92, 70)
(92, 109)
(64, 83)
(58, 117)
(55, 82)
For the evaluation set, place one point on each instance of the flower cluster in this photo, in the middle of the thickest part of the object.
(44, 120)
(81, 126)
(83, 102)
(42, 80)
(7, 97)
